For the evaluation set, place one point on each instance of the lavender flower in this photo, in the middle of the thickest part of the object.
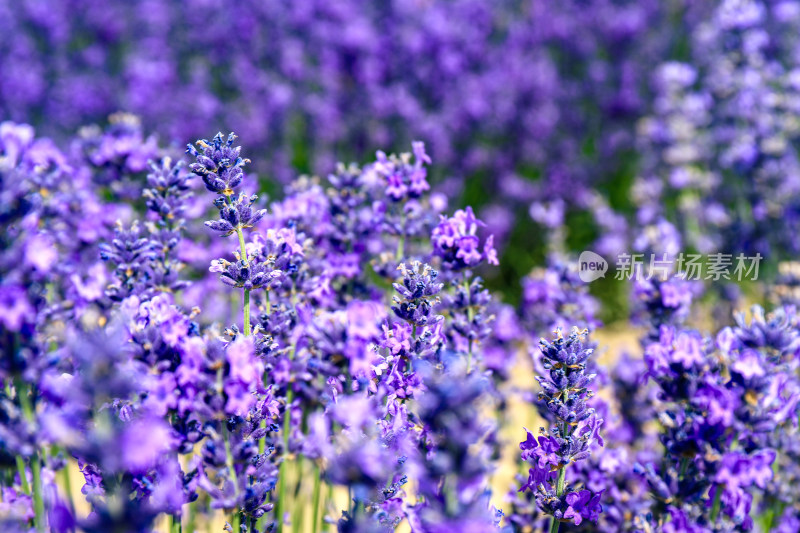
(218, 164)
(456, 241)
(575, 426)
(417, 294)
(451, 470)
(220, 167)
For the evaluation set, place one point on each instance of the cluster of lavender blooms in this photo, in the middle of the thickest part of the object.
(554, 108)
(359, 312)
(718, 148)
(537, 102)
(194, 351)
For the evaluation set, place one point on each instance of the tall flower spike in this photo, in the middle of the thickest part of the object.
(131, 253)
(169, 189)
(565, 391)
(218, 163)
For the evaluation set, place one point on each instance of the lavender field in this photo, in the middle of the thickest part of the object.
(427, 266)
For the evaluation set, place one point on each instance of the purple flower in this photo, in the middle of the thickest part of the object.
(143, 442)
(218, 163)
(574, 429)
(583, 505)
(456, 241)
(16, 309)
(244, 376)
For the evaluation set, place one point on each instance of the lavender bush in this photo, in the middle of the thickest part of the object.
(208, 339)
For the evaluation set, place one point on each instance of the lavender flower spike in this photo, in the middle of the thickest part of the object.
(218, 163)
(575, 427)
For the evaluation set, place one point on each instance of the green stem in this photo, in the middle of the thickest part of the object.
(350, 499)
(36, 467)
(280, 505)
(716, 505)
(451, 496)
(38, 502)
(243, 251)
(242, 247)
(67, 483)
(232, 473)
(229, 460)
(176, 524)
(684, 465)
(23, 475)
(262, 442)
(562, 474)
(331, 526)
(297, 516)
(191, 519)
(315, 498)
(400, 248)
(247, 312)
(470, 317)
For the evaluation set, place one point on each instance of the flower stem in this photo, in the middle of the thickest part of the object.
(280, 506)
(400, 248)
(716, 505)
(38, 502)
(331, 526)
(67, 483)
(191, 519)
(469, 325)
(246, 306)
(315, 498)
(297, 517)
(229, 460)
(247, 312)
(232, 472)
(36, 467)
(23, 475)
(176, 524)
(684, 466)
(562, 474)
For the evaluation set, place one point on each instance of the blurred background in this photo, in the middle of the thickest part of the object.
(609, 125)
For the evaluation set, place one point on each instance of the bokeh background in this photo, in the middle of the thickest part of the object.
(570, 125)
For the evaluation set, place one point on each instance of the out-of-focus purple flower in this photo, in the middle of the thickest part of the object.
(143, 442)
(457, 242)
(244, 376)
